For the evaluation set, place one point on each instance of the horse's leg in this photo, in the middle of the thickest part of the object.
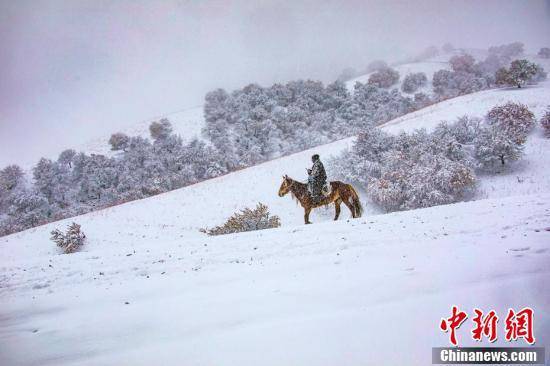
(337, 207)
(306, 215)
(350, 206)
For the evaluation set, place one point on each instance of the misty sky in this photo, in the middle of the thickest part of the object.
(73, 70)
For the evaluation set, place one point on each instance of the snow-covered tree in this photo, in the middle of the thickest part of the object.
(462, 63)
(28, 208)
(408, 170)
(160, 129)
(12, 179)
(413, 81)
(545, 122)
(514, 119)
(421, 100)
(519, 73)
(384, 78)
(494, 148)
(448, 84)
(119, 141)
(66, 157)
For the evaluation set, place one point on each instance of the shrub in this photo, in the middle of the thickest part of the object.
(545, 122)
(119, 141)
(514, 119)
(384, 78)
(462, 63)
(413, 81)
(71, 241)
(161, 129)
(246, 220)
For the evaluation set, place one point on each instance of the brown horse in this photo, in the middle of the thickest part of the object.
(340, 192)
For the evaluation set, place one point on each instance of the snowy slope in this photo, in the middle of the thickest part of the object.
(185, 211)
(318, 294)
(344, 293)
(186, 123)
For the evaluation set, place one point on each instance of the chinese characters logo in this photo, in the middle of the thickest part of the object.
(516, 325)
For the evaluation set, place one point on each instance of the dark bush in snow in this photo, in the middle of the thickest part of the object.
(545, 122)
(384, 78)
(544, 52)
(247, 220)
(413, 81)
(514, 119)
(421, 100)
(462, 63)
(119, 141)
(71, 241)
(161, 129)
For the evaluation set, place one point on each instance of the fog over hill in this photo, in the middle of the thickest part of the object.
(72, 71)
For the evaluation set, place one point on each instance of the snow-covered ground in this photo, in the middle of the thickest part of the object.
(150, 288)
(368, 291)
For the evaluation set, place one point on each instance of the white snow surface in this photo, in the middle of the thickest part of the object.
(149, 288)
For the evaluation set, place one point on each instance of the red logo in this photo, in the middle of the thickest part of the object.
(453, 323)
(520, 325)
(517, 325)
(485, 326)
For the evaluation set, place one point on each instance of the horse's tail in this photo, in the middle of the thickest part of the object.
(356, 202)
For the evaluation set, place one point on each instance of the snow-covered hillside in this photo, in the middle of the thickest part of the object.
(324, 294)
(150, 288)
(186, 123)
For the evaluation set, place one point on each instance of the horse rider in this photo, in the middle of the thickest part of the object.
(317, 179)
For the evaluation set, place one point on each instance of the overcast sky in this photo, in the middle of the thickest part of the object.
(73, 70)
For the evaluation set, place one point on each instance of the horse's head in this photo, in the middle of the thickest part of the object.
(285, 186)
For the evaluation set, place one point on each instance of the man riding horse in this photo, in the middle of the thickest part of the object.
(317, 179)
